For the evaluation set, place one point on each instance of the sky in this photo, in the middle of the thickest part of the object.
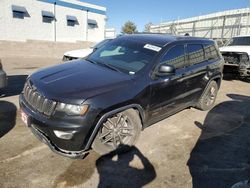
(142, 12)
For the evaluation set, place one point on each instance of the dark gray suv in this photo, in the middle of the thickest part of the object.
(104, 101)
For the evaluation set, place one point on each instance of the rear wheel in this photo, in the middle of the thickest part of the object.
(119, 130)
(207, 100)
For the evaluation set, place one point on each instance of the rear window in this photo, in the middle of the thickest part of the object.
(195, 53)
(211, 52)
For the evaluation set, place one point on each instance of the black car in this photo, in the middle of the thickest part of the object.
(104, 101)
(3, 77)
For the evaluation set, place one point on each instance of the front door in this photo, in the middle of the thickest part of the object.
(168, 93)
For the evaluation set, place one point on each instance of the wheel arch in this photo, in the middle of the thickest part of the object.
(217, 79)
(136, 107)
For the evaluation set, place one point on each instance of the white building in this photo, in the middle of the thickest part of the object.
(220, 25)
(51, 20)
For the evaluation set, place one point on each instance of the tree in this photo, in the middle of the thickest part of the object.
(147, 27)
(129, 28)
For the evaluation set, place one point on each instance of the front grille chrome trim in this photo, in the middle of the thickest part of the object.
(37, 101)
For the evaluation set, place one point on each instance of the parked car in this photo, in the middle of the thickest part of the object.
(236, 54)
(104, 101)
(3, 77)
(82, 53)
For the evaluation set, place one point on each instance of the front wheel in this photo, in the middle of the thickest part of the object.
(119, 130)
(207, 100)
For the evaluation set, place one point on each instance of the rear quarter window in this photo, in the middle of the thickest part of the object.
(211, 52)
(195, 53)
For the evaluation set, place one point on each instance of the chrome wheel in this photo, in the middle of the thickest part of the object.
(116, 131)
(207, 99)
(211, 95)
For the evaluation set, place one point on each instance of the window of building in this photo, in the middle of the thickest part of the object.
(48, 17)
(72, 21)
(211, 52)
(19, 12)
(92, 24)
(195, 53)
(175, 56)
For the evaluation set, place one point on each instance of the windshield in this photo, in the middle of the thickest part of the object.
(100, 44)
(239, 41)
(123, 55)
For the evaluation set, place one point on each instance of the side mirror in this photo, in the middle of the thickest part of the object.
(164, 70)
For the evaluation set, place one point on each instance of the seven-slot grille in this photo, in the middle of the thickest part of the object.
(37, 101)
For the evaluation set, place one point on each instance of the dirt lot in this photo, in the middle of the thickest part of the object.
(190, 149)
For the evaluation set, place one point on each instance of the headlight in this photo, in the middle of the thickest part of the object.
(72, 110)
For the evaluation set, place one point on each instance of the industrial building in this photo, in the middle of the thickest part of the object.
(221, 25)
(51, 20)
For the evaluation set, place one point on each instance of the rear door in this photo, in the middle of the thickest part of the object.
(196, 71)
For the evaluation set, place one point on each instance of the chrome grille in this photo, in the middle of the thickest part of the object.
(37, 101)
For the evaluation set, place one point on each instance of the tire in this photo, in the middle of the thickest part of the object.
(118, 132)
(207, 100)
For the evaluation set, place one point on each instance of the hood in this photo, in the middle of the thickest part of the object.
(77, 81)
(79, 53)
(245, 49)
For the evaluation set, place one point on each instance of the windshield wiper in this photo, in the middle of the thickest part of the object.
(105, 65)
(91, 61)
(111, 67)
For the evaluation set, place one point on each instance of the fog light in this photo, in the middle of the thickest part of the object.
(66, 135)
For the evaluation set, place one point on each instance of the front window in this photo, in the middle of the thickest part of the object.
(175, 57)
(123, 55)
(239, 41)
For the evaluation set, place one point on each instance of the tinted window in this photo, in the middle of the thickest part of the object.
(175, 56)
(47, 19)
(125, 55)
(92, 26)
(71, 23)
(17, 14)
(195, 53)
(211, 52)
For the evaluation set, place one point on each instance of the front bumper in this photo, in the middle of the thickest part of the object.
(3, 79)
(43, 138)
(241, 70)
(43, 128)
(244, 70)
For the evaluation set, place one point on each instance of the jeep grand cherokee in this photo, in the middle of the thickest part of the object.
(104, 101)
